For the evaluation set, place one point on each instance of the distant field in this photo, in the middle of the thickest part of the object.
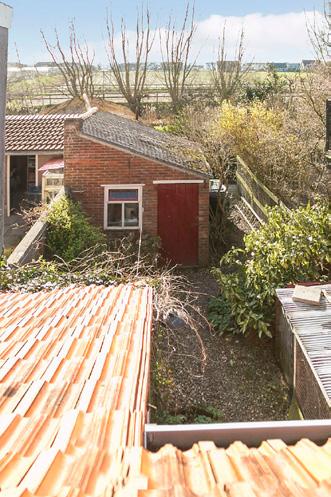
(203, 77)
(154, 78)
(37, 90)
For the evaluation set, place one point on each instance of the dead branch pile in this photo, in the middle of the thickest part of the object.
(174, 298)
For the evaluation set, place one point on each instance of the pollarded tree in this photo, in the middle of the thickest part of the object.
(176, 48)
(131, 77)
(75, 63)
(319, 31)
(229, 75)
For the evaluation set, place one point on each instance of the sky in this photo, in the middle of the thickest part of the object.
(275, 30)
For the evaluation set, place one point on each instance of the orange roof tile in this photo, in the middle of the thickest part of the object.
(300, 471)
(34, 133)
(74, 367)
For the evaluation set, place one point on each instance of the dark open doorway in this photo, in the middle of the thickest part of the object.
(22, 175)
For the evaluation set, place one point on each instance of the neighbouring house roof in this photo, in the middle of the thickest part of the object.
(143, 140)
(52, 164)
(309, 62)
(77, 106)
(34, 133)
(74, 367)
(274, 469)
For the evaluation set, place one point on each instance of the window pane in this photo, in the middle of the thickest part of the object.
(123, 195)
(131, 215)
(115, 215)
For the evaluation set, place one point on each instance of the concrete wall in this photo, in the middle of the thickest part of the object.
(32, 245)
(5, 19)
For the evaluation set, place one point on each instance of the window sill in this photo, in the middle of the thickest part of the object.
(125, 228)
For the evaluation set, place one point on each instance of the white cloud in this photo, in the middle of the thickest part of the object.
(268, 38)
(274, 38)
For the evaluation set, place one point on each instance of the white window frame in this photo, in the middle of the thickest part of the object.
(139, 188)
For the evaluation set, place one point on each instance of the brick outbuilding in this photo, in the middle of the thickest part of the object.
(32, 143)
(130, 177)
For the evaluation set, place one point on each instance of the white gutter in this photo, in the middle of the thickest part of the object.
(224, 434)
(6, 13)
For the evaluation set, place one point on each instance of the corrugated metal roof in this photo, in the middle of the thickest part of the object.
(74, 366)
(312, 326)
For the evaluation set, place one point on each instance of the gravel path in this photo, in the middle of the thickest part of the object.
(239, 377)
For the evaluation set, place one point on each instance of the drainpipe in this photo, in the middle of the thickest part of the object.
(5, 21)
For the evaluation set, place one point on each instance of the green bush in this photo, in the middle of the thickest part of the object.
(69, 230)
(293, 246)
(198, 414)
(265, 89)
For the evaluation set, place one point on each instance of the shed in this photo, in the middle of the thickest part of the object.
(31, 142)
(303, 346)
(130, 177)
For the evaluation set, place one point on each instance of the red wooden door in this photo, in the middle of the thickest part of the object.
(178, 222)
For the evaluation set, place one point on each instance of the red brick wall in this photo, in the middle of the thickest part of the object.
(89, 164)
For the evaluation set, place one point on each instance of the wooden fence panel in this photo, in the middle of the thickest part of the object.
(254, 191)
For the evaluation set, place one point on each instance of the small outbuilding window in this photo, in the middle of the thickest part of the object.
(123, 207)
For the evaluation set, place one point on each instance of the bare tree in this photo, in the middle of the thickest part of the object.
(176, 48)
(75, 63)
(228, 75)
(131, 77)
(21, 100)
(315, 83)
(320, 34)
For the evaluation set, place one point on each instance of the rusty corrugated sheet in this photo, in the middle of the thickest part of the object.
(311, 325)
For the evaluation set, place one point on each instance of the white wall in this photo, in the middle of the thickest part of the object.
(5, 15)
(5, 20)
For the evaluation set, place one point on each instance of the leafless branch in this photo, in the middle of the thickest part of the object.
(176, 48)
(228, 75)
(75, 66)
(320, 35)
(28, 84)
(131, 77)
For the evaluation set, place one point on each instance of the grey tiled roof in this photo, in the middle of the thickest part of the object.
(144, 140)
